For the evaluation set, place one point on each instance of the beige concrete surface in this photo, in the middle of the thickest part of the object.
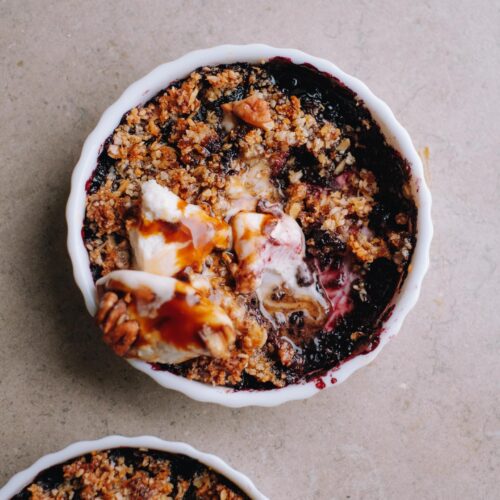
(423, 421)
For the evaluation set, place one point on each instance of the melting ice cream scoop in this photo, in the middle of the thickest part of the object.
(171, 234)
(264, 242)
(270, 248)
(166, 320)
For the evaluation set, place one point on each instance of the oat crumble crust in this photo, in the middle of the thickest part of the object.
(315, 150)
(131, 474)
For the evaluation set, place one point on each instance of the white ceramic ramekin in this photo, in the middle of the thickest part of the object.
(143, 90)
(75, 450)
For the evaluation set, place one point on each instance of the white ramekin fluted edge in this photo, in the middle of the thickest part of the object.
(146, 88)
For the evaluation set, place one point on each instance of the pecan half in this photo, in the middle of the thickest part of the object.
(119, 331)
(108, 300)
(252, 110)
(121, 338)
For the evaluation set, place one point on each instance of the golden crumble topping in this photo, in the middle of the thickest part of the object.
(234, 139)
(131, 474)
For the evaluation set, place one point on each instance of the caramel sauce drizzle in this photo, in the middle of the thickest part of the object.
(199, 235)
(178, 321)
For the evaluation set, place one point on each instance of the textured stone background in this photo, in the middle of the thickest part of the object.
(423, 421)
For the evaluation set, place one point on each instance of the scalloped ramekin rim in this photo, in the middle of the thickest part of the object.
(25, 477)
(145, 88)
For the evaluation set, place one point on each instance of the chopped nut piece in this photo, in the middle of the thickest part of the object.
(108, 301)
(295, 209)
(295, 176)
(340, 167)
(401, 219)
(119, 333)
(252, 110)
(343, 145)
(356, 335)
(286, 353)
(121, 338)
(116, 313)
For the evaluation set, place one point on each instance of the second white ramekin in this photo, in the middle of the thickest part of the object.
(75, 450)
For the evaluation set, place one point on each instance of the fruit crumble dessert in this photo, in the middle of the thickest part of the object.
(131, 473)
(248, 227)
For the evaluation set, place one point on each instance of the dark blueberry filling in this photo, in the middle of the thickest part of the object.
(104, 165)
